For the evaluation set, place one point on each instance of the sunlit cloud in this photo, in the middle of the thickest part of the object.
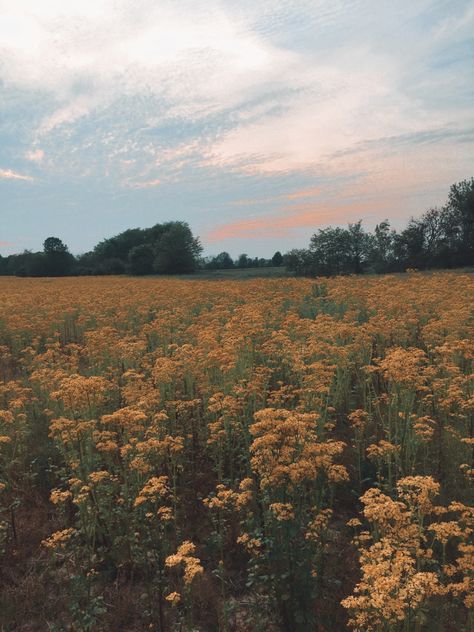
(9, 174)
(304, 193)
(148, 184)
(283, 223)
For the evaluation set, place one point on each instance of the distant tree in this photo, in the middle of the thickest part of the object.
(58, 261)
(113, 265)
(300, 262)
(166, 248)
(54, 245)
(119, 246)
(243, 261)
(259, 262)
(459, 218)
(331, 252)
(26, 263)
(277, 258)
(177, 251)
(153, 235)
(381, 255)
(36, 265)
(358, 243)
(140, 259)
(222, 261)
(87, 264)
(409, 245)
(434, 248)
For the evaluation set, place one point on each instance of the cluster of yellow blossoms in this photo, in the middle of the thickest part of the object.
(202, 444)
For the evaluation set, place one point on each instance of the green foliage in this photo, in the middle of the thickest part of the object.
(168, 248)
(57, 260)
(140, 259)
(177, 250)
(277, 259)
(223, 261)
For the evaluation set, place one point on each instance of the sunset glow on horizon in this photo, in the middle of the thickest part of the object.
(257, 123)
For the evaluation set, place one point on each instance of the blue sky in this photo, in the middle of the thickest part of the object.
(256, 122)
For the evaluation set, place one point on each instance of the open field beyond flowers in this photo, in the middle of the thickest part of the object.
(252, 456)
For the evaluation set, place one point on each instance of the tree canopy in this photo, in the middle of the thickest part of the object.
(168, 248)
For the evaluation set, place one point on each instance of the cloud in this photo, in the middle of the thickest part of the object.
(35, 155)
(147, 184)
(8, 174)
(197, 60)
(281, 224)
(6, 244)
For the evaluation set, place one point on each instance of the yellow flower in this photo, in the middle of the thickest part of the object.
(57, 496)
(282, 511)
(174, 598)
(58, 539)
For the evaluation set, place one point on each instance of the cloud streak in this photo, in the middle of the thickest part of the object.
(9, 174)
(283, 223)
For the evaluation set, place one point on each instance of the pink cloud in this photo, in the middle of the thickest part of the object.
(8, 174)
(289, 218)
(304, 193)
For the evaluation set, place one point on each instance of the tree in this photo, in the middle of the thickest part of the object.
(409, 245)
(113, 265)
(222, 261)
(140, 259)
(166, 248)
(3, 265)
(277, 258)
(331, 251)
(177, 251)
(119, 246)
(53, 246)
(433, 238)
(300, 262)
(243, 261)
(58, 261)
(26, 264)
(357, 247)
(381, 255)
(460, 215)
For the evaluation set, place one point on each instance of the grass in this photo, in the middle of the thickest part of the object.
(240, 273)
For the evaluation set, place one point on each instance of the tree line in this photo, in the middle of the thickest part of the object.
(168, 248)
(441, 238)
(223, 261)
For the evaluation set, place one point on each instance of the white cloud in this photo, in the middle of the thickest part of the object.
(146, 184)
(87, 54)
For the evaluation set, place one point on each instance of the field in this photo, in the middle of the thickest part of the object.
(259, 455)
(274, 272)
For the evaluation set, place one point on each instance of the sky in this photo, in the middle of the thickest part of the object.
(257, 122)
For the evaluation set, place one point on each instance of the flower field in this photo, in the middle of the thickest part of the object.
(257, 455)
